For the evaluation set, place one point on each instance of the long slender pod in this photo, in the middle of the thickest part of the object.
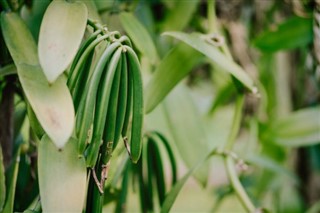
(85, 114)
(111, 118)
(103, 103)
(78, 90)
(82, 48)
(122, 101)
(157, 169)
(137, 105)
(167, 146)
(74, 73)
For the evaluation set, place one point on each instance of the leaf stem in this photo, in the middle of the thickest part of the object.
(236, 184)
(212, 19)
(236, 122)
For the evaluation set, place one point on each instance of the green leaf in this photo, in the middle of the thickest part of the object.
(197, 42)
(172, 69)
(294, 32)
(61, 33)
(187, 129)
(180, 15)
(139, 35)
(62, 177)
(33, 15)
(301, 128)
(52, 104)
(9, 69)
(174, 192)
(12, 182)
(2, 181)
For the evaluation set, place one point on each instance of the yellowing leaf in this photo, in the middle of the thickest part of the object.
(61, 32)
(52, 104)
(62, 177)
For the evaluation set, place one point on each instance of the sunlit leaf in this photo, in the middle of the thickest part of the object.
(2, 181)
(12, 182)
(294, 32)
(301, 128)
(61, 32)
(52, 104)
(179, 15)
(62, 177)
(139, 35)
(174, 192)
(174, 67)
(198, 42)
(187, 129)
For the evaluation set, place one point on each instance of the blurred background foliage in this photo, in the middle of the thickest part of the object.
(276, 42)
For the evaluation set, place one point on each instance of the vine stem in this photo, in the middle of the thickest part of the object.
(228, 160)
(237, 186)
(212, 19)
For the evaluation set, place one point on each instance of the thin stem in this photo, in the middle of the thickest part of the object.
(92, 24)
(212, 19)
(236, 122)
(237, 186)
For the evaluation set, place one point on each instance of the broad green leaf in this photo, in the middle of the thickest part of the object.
(52, 104)
(294, 32)
(174, 67)
(11, 180)
(301, 128)
(139, 35)
(174, 192)
(180, 15)
(61, 33)
(9, 69)
(2, 182)
(92, 10)
(197, 42)
(33, 15)
(187, 129)
(62, 177)
(103, 5)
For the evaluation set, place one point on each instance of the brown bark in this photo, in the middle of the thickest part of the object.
(6, 120)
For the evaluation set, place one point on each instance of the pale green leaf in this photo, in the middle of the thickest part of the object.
(12, 182)
(199, 43)
(139, 35)
(62, 177)
(174, 67)
(179, 15)
(2, 182)
(174, 192)
(52, 104)
(61, 33)
(187, 129)
(301, 128)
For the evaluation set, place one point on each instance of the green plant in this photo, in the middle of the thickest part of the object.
(81, 132)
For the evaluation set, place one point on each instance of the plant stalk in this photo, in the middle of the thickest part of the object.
(236, 184)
